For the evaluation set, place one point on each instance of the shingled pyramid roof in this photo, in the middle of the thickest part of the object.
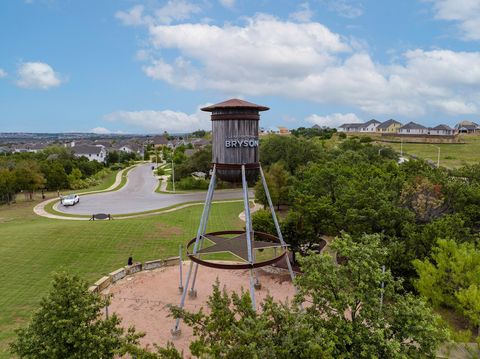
(235, 103)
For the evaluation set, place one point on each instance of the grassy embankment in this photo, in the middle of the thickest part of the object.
(452, 155)
(33, 247)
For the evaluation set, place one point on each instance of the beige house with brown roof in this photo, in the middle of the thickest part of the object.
(390, 126)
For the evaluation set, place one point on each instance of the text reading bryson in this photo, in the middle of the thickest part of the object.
(241, 142)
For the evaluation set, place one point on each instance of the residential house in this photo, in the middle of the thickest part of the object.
(200, 142)
(441, 130)
(369, 126)
(4, 150)
(413, 128)
(350, 127)
(467, 127)
(131, 148)
(389, 126)
(32, 147)
(93, 153)
(158, 141)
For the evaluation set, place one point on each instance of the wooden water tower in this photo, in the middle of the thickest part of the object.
(235, 138)
(235, 158)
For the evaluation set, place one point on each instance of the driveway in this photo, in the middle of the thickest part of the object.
(139, 195)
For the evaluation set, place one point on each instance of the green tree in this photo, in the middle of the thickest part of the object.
(7, 185)
(28, 177)
(277, 178)
(70, 324)
(469, 302)
(112, 157)
(74, 178)
(342, 314)
(293, 151)
(262, 221)
(345, 299)
(55, 175)
(232, 329)
(451, 277)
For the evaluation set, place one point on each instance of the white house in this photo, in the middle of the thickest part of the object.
(350, 127)
(413, 128)
(131, 148)
(93, 153)
(441, 130)
(467, 127)
(369, 126)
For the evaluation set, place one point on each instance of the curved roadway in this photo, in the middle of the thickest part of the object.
(138, 195)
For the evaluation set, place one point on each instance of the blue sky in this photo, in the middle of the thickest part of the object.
(148, 66)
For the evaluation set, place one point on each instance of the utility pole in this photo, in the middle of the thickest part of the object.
(438, 155)
(173, 171)
(401, 147)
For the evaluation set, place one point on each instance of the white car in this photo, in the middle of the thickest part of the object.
(70, 200)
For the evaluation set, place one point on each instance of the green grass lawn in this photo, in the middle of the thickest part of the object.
(451, 155)
(32, 248)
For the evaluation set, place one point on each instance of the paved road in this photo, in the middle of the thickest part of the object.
(138, 195)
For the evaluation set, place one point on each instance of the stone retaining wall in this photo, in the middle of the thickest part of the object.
(104, 282)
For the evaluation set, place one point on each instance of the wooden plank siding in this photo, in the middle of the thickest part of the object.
(236, 128)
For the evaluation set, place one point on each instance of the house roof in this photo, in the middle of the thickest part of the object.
(87, 150)
(235, 103)
(352, 125)
(413, 126)
(368, 123)
(467, 124)
(442, 127)
(160, 140)
(388, 123)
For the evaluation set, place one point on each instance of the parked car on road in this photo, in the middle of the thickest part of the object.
(70, 200)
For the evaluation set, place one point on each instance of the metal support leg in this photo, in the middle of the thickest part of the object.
(180, 285)
(248, 230)
(277, 226)
(193, 293)
(176, 329)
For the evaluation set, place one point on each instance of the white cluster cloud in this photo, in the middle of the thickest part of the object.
(228, 3)
(159, 121)
(465, 12)
(268, 56)
(173, 10)
(37, 75)
(333, 120)
(303, 14)
(100, 131)
(132, 17)
(303, 59)
(346, 8)
(3, 73)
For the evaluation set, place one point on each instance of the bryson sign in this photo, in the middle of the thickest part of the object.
(241, 142)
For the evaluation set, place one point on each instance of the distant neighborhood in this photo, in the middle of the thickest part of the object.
(392, 127)
(97, 149)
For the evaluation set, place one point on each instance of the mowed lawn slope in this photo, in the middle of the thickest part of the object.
(451, 155)
(32, 248)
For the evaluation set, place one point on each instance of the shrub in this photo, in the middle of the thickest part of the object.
(192, 183)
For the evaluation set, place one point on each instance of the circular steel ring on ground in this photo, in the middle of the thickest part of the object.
(261, 235)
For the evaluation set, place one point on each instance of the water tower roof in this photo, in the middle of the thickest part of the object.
(235, 103)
